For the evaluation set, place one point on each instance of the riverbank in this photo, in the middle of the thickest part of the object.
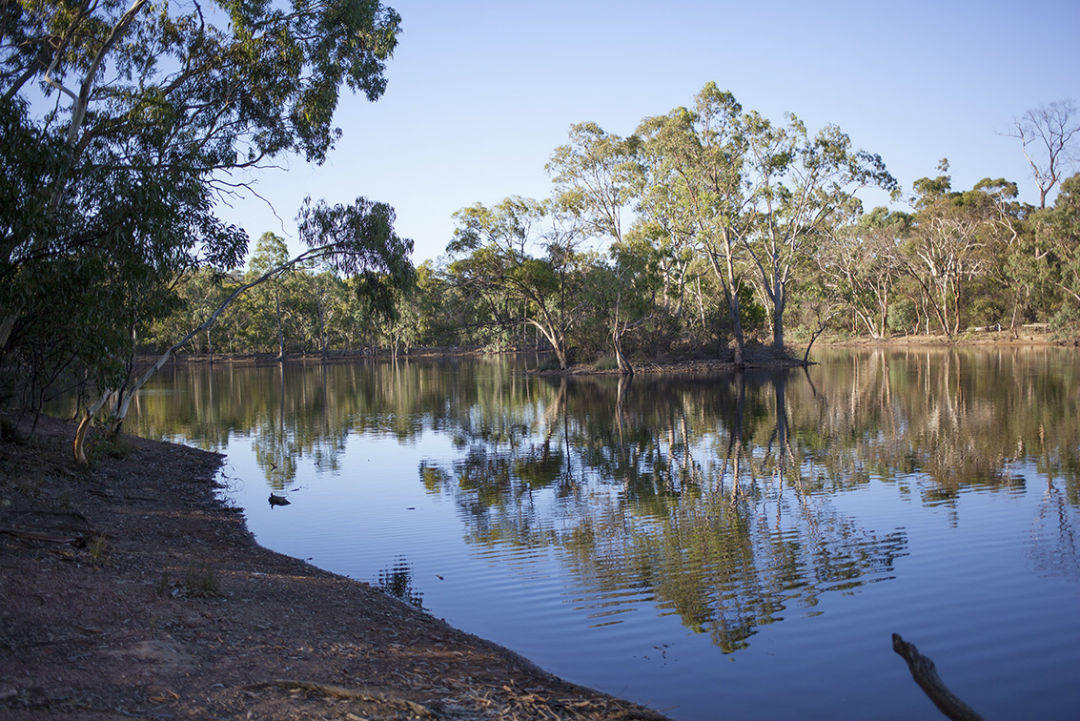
(754, 357)
(757, 356)
(129, 590)
(1025, 336)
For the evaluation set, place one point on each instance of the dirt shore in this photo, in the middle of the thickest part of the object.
(1003, 338)
(128, 590)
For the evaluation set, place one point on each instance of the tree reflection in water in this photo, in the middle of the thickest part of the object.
(1053, 539)
(642, 500)
(397, 580)
(717, 497)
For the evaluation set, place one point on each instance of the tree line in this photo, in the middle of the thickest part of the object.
(707, 227)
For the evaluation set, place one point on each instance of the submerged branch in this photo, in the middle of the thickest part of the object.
(926, 675)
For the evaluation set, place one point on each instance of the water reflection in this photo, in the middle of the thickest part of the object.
(397, 580)
(961, 418)
(718, 499)
(1054, 544)
(690, 490)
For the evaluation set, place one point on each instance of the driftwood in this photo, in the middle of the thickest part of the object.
(926, 675)
(338, 692)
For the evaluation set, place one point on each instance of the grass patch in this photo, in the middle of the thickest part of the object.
(201, 581)
(96, 549)
(118, 447)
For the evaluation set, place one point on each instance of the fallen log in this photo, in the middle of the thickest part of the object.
(926, 675)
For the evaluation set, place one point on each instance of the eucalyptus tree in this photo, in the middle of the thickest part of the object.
(198, 294)
(485, 245)
(396, 320)
(1017, 286)
(329, 297)
(702, 157)
(77, 270)
(270, 252)
(357, 240)
(1045, 134)
(596, 176)
(860, 263)
(955, 238)
(666, 225)
(443, 319)
(621, 290)
(150, 107)
(800, 187)
(492, 261)
(1059, 228)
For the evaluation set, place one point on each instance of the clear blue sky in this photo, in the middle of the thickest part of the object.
(480, 93)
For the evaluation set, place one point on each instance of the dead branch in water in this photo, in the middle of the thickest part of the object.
(926, 675)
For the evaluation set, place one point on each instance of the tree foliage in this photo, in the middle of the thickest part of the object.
(124, 125)
(495, 265)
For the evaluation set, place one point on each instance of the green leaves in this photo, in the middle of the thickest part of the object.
(152, 105)
(358, 239)
(500, 275)
(270, 252)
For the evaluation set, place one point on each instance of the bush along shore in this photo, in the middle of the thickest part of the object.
(129, 590)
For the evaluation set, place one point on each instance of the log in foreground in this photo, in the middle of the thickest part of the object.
(926, 675)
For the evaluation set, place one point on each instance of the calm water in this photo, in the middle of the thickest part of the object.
(712, 547)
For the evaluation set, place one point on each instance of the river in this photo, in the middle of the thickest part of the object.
(712, 546)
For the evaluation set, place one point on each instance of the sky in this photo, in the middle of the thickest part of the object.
(481, 93)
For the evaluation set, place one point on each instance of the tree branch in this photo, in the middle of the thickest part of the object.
(926, 675)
